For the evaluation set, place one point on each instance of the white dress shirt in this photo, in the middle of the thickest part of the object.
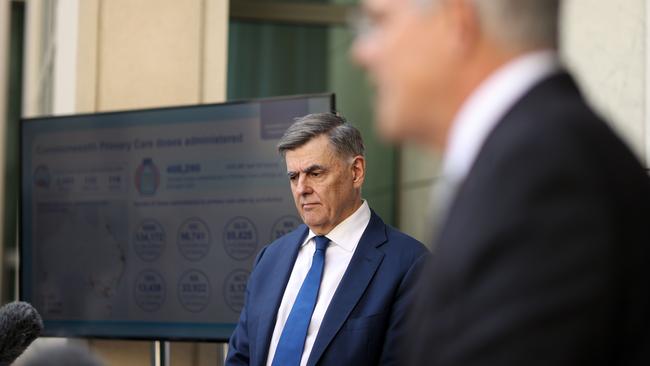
(344, 239)
(479, 115)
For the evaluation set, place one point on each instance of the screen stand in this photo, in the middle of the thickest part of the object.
(160, 353)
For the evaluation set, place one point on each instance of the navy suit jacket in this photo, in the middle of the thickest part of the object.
(366, 317)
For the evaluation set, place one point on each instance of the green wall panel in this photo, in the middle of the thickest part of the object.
(267, 59)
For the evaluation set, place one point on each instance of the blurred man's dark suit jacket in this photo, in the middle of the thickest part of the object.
(543, 258)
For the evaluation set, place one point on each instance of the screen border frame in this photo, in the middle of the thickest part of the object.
(19, 213)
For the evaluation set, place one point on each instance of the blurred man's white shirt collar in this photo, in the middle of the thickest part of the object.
(488, 104)
(479, 115)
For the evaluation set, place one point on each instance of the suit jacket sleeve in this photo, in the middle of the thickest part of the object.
(395, 333)
(239, 344)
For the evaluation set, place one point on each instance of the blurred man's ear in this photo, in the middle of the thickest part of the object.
(464, 24)
(358, 171)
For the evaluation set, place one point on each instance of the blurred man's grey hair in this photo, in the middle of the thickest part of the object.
(519, 24)
(344, 138)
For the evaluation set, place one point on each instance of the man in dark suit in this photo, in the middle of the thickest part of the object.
(335, 290)
(542, 250)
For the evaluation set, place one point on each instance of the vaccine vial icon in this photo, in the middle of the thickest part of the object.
(147, 177)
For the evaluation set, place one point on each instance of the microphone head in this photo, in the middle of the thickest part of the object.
(20, 325)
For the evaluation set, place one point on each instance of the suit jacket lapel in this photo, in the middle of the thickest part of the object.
(274, 290)
(361, 269)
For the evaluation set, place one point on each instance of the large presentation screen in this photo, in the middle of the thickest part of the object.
(145, 224)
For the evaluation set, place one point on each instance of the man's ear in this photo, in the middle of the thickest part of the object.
(358, 167)
(463, 21)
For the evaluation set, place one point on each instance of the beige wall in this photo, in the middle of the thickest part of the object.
(150, 53)
(605, 43)
(126, 54)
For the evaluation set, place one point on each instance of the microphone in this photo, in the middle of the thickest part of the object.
(20, 325)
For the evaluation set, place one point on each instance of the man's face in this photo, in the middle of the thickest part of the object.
(407, 49)
(325, 187)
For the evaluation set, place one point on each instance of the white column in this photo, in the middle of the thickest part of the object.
(32, 58)
(215, 51)
(65, 62)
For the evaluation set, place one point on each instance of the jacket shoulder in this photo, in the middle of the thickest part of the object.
(403, 245)
(554, 115)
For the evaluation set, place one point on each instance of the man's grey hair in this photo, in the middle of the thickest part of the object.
(344, 138)
(521, 24)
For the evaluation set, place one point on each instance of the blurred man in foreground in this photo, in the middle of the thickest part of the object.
(335, 291)
(542, 255)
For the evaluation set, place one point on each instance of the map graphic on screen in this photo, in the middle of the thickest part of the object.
(145, 224)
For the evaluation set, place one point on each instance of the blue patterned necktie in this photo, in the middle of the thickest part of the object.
(292, 340)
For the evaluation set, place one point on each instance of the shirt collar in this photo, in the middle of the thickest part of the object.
(487, 105)
(341, 234)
